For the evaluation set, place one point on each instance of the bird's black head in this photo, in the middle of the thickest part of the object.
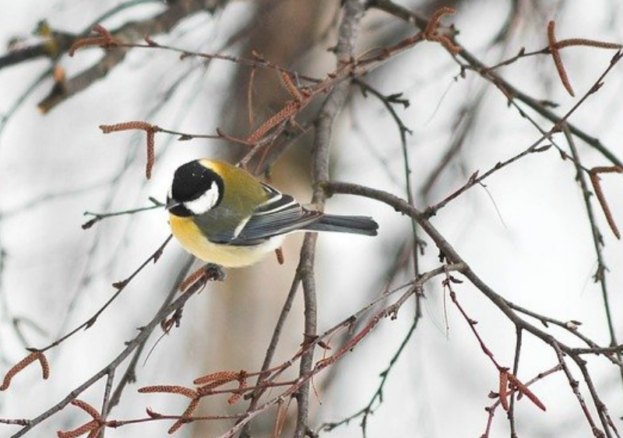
(195, 190)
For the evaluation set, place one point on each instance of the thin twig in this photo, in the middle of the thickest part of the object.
(347, 36)
(144, 333)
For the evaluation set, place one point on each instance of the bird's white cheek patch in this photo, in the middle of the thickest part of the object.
(205, 202)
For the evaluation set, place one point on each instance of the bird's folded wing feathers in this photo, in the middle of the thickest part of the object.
(280, 214)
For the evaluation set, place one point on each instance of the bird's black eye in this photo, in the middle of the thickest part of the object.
(176, 208)
(191, 181)
(181, 211)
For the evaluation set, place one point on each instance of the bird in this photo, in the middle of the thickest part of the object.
(224, 215)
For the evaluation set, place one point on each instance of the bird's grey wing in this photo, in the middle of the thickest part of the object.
(217, 223)
(280, 214)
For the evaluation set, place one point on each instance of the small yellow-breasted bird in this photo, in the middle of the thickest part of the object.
(222, 214)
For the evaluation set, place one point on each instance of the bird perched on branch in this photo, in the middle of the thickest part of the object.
(222, 214)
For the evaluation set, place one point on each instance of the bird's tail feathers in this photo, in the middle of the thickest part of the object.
(345, 224)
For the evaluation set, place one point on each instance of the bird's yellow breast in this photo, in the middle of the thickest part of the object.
(230, 256)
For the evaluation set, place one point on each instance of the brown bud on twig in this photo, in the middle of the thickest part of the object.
(169, 389)
(570, 42)
(281, 418)
(242, 384)
(105, 40)
(86, 407)
(292, 89)
(594, 176)
(149, 129)
(279, 254)
(219, 376)
(553, 48)
(33, 356)
(289, 110)
(185, 417)
(93, 427)
(431, 32)
(201, 276)
(152, 414)
(503, 391)
(90, 427)
(523, 389)
(191, 279)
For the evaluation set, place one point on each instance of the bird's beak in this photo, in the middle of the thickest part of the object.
(171, 203)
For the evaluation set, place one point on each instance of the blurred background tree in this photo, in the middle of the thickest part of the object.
(485, 142)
